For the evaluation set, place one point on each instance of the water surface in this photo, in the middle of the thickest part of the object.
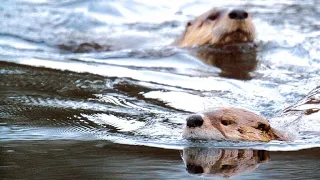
(81, 72)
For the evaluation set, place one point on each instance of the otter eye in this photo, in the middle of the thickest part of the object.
(213, 16)
(227, 122)
(263, 127)
(189, 23)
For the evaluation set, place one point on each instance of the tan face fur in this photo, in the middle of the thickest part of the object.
(229, 124)
(216, 27)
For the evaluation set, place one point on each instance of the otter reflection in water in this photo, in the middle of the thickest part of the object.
(222, 162)
(235, 60)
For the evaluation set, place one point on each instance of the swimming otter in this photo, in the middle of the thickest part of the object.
(218, 27)
(230, 124)
(238, 124)
(223, 38)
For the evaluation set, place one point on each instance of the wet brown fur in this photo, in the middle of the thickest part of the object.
(236, 124)
(232, 62)
(214, 27)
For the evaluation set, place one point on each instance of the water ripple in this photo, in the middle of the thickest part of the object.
(106, 70)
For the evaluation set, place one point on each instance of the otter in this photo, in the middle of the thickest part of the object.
(230, 123)
(223, 38)
(235, 124)
(235, 63)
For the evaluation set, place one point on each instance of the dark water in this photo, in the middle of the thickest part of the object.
(80, 81)
(102, 160)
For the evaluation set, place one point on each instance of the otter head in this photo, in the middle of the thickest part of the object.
(229, 124)
(218, 27)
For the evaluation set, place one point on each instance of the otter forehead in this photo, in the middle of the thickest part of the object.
(212, 14)
(218, 12)
(228, 124)
(229, 116)
(218, 26)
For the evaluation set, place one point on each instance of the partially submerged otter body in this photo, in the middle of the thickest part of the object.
(229, 124)
(235, 60)
(223, 38)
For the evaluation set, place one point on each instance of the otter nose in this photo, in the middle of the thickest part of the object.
(194, 121)
(238, 14)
